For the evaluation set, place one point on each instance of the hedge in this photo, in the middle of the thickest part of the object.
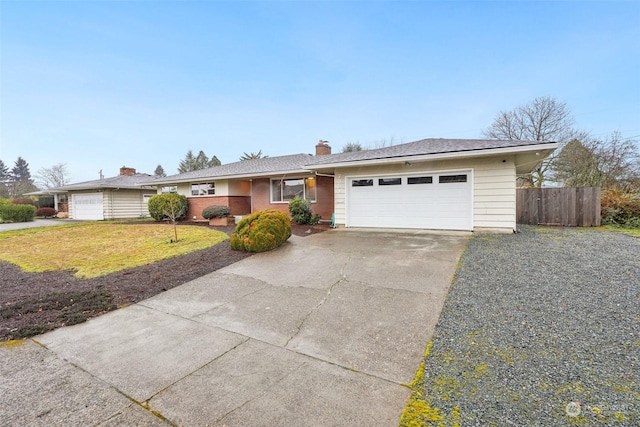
(17, 213)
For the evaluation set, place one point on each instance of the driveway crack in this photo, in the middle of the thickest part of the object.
(342, 279)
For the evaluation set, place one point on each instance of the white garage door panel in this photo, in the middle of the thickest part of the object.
(445, 206)
(87, 206)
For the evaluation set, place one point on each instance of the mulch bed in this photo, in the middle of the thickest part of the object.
(34, 303)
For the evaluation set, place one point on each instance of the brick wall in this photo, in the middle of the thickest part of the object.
(261, 198)
(237, 204)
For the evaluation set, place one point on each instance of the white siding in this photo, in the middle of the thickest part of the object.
(120, 204)
(494, 187)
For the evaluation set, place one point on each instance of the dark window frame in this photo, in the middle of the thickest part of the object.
(452, 179)
(419, 180)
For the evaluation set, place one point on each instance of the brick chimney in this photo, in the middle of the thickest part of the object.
(323, 148)
(127, 171)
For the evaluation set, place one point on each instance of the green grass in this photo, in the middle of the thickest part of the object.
(632, 231)
(97, 249)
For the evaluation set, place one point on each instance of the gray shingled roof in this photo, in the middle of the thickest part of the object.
(136, 181)
(266, 165)
(306, 162)
(421, 148)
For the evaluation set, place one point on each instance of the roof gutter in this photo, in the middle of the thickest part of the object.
(543, 148)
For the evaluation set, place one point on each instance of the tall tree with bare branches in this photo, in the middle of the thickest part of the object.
(542, 119)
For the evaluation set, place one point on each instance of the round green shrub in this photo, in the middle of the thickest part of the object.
(261, 231)
(160, 206)
(215, 211)
(300, 210)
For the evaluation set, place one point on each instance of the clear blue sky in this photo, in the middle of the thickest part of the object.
(102, 84)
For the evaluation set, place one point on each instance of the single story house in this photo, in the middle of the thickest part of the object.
(251, 185)
(446, 184)
(118, 197)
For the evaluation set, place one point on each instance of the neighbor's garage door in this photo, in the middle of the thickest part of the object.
(87, 206)
(431, 200)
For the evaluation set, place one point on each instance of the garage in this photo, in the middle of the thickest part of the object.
(87, 206)
(440, 201)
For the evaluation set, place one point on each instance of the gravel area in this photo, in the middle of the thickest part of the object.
(540, 328)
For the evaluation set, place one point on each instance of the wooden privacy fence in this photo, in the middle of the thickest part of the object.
(571, 207)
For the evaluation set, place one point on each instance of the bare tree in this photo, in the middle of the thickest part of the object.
(613, 163)
(172, 213)
(55, 176)
(543, 119)
(351, 147)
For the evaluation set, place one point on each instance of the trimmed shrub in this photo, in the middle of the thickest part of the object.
(46, 212)
(160, 206)
(17, 213)
(261, 231)
(23, 201)
(215, 211)
(300, 210)
(620, 208)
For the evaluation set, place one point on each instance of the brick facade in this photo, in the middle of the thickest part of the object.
(324, 197)
(237, 204)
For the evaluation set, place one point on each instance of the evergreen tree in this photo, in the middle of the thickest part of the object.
(21, 178)
(252, 156)
(202, 161)
(159, 171)
(194, 163)
(187, 164)
(4, 178)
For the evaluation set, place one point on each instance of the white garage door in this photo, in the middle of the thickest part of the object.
(440, 201)
(87, 206)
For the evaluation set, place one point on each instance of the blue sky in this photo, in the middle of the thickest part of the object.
(102, 84)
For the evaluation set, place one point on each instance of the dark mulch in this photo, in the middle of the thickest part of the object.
(34, 303)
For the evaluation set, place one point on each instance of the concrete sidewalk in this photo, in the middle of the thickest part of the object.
(322, 331)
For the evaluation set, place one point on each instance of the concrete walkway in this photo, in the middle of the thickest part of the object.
(323, 331)
(35, 223)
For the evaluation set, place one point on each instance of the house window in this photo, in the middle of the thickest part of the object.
(284, 190)
(389, 181)
(420, 180)
(63, 198)
(447, 179)
(169, 189)
(206, 189)
(362, 183)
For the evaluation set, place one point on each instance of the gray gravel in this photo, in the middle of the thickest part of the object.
(534, 322)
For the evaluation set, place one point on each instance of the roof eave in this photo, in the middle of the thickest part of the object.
(544, 149)
(228, 177)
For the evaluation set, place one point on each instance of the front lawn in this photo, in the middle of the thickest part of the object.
(97, 249)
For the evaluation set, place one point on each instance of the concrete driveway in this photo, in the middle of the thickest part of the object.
(324, 331)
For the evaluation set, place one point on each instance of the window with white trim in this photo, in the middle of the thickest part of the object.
(285, 190)
(169, 189)
(204, 189)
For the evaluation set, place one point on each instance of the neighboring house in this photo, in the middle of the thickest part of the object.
(251, 185)
(447, 184)
(119, 197)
